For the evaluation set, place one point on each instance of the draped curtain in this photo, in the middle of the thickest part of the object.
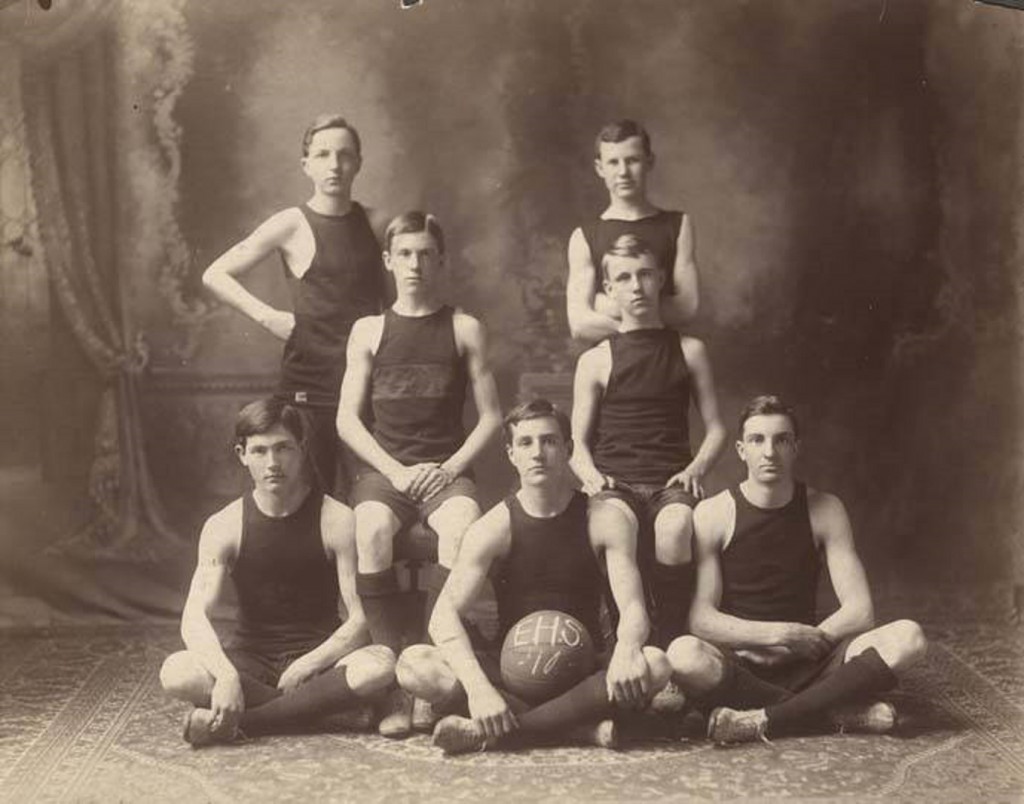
(69, 108)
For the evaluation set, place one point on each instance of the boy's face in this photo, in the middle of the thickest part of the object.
(274, 459)
(415, 261)
(634, 283)
(333, 161)
(539, 451)
(623, 166)
(768, 447)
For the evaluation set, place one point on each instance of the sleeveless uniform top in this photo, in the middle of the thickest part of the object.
(770, 567)
(550, 565)
(418, 387)
(344, 282)
(287, 587)
(660, 231)
(642, 433)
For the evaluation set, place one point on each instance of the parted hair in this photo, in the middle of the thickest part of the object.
(622, 130)
(538, 408)
(768, 405)
(411, 223)
(260, 416)
(325, 121)
(626, 245)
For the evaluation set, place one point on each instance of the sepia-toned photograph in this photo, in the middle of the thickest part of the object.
(511, 400)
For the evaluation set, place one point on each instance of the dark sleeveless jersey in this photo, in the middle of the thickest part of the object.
(287, 587)
(770, 568)
(642, 432)
(660, 231)
(550, 565)
(344, 282)
(418, 388)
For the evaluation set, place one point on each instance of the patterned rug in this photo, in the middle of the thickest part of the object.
(82, 718)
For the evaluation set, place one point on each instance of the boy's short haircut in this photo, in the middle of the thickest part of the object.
(627, 245)
(768, 405)
(538, 408)
(412, 223)
(622, 130)
(263, 415)
(326, 121)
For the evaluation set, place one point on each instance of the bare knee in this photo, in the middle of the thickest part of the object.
(182, 677)
(370, 669)
(697, 667)
(376, 527)
(422, 672)
(899, 644)
(659, 667)
(911, 641)
(450, 521)
(611, 516)
(673, 531)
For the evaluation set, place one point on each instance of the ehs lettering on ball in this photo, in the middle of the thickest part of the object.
(551, 630)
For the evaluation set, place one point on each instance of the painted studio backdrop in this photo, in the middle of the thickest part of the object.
(853, 169)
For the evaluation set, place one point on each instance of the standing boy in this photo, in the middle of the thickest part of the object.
(332, 259)
(623, 159)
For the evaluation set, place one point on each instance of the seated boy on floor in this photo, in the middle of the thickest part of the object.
(761, 658)
(289, 552)
(541, 553)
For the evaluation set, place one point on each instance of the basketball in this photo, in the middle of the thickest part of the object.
(544, 654)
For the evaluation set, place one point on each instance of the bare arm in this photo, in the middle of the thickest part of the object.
(487, 540)
(218, 548)
(337, 528)
(628, 678)
(472, 339)
(680, 308)
(831, 527)
(706, 401)
(713, 520)
(217, 551)
(585, 322)
(355, 390)
(222, 275)
(592, 371)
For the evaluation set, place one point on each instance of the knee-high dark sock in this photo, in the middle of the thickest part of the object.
(587, 701)
(741, 689)
(438, 576)
(321, 695)
(672, 590)
(383, 605)
(863, 675)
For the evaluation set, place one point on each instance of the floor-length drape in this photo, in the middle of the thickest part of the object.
(69, 109)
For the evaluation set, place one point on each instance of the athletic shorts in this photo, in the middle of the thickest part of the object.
(372, 486)
(799, 675)
(263, 665)
(646, 500)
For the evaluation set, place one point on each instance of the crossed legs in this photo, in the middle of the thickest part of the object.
(868, 667)
(422, 670)
(354, 678)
